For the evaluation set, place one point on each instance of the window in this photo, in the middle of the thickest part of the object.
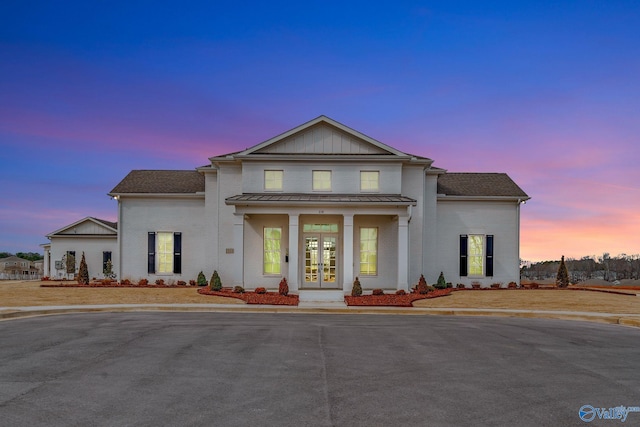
(476, 255)
(273, 180)
(164, 253)
(106, 257)
(369, 181)
(271, 250)
(368, 251)
(321, 180)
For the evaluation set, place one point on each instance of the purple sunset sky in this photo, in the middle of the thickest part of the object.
(546, 91)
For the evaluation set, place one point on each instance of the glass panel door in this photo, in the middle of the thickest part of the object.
(311, 277)
(320, 263)
(329, 260)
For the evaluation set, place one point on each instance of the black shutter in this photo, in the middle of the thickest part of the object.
(106, 257)
(489, 255)
(151, 259)
(463, 255)
(177, 253)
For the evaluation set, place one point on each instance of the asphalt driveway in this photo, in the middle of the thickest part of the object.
(243, 369)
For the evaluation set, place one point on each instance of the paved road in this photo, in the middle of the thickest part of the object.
(244, 369)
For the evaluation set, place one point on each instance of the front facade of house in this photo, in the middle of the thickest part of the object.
(320, 205)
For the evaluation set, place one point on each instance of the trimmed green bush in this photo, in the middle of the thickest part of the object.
(356, 291)
(238, 290)
(202, 281)
(378, 292)
(215, 282)
(441, 283)
(83, 272)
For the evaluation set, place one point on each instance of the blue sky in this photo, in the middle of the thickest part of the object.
(546, 91)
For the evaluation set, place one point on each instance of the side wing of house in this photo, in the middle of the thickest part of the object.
(478, 228)
(94, 237)
(164, 232)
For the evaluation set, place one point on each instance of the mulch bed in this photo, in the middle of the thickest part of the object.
(271, 298)
(393, 300)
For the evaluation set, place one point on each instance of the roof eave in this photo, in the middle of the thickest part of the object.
(446, 197)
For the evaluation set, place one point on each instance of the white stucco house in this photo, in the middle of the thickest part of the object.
(320, 205)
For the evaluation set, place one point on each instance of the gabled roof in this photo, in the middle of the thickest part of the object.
(322, 137)
(101, 227)
(479, 185)
(160, 182)
(13, 258)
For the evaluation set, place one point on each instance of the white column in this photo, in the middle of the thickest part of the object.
(347, 251)
(238, 249)
(403, 253)
(47, 259)
(293, 253)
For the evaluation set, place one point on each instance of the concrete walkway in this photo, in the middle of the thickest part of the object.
(611, 318)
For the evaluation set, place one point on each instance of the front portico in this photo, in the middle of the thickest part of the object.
(317, 241)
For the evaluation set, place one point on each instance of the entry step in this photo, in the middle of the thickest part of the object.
(321, 296)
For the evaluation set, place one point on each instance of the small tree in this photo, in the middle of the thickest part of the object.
(422, 285)
(562, 278)
(215, 282)
(356, 291)
(283, 287)
(108, 270)
(441, 283)
(83, 272)
(202, 280)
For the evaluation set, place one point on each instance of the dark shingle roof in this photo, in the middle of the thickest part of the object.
(479, 184)
(111, 224)
(160, 181)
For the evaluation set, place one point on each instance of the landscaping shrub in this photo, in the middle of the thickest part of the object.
(202, 281)
(126, 282)
(356, 290)
(422, 285)
(160, 282)
(215, 282)
(460, 286)
(261, 290)
(441, 283)
(143, 282)
(496, 285)
(562, 278)
(475, 285)
(401, 292)
(283, 287)
(106, 282)
(430, 289)
(378, 292)
(181, 283)
(108, 270)
(512, 285)
(192, 282)
(83, 272)
(238, 290)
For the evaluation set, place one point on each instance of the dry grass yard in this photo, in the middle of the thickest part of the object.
(21, 294)
(539, 299)
(28, 293)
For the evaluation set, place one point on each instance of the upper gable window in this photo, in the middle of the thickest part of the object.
(321, 180)
(273, 180)
(369, 181)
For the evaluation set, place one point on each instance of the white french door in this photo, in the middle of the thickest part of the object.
(320, 263)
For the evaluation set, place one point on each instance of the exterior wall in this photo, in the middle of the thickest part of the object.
(430, 227)
(387, 276)
(475, 217)
(92, 248)
(210, 233)
(229, 263)
(413, 182)
(139, 216)
(345, 177)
